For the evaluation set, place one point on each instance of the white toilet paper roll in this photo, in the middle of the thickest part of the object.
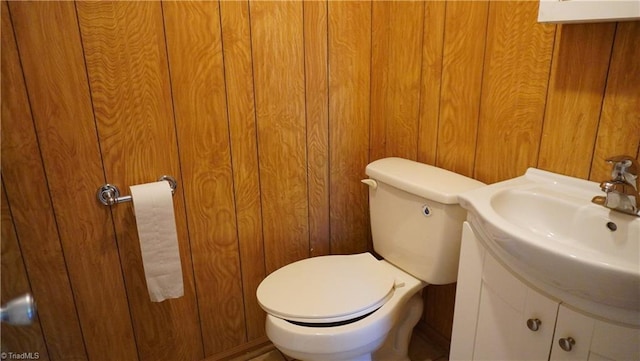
(153, 208)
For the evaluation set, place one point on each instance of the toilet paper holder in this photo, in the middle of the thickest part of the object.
(109, 194)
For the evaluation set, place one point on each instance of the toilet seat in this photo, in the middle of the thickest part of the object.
(326, 289)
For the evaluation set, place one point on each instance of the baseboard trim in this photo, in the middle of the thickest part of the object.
(245, 351)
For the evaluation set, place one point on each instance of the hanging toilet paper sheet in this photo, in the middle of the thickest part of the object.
(153, 208)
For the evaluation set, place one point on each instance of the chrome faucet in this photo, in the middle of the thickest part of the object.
(622, 190)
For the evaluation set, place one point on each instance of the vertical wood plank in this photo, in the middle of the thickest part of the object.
(278, 65)
(23, 173)
(317, 107)
(349, 107)
(199, 98)
(236, 37)
(578, 76)
(396, 96)
(619, 128)
(15, 283)
(465, 35)
(404, 61)
(432, 48)
(127, 67)
(516, 75)
(439, 305)
(51, 53)
(379, 78)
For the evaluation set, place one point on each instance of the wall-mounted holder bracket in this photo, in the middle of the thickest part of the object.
(109, 194)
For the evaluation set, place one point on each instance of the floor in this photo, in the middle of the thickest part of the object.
(420, 349)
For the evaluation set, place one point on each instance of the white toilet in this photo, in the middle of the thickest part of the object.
(355, 307)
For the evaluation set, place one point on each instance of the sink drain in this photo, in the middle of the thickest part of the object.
(612, 226)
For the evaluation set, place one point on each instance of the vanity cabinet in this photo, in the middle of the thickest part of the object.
(507, 306)
(595, 340)
(499, 316)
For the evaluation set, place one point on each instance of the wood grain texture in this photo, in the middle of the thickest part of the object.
(33, 217)
(462, 63)
(51, 54)
(236, 36)
(431, 78)
(278, 68)
(515, 80)
(127, 68)
(380, 52)
(349, 107)
(199, 98)
(15, 283)
(619, 128)
(335, 85)
(578, 77)
(395, 78)
(404, 60)
(317, 112)
(439, 302)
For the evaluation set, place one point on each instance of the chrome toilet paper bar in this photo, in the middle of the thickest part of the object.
(109, 194)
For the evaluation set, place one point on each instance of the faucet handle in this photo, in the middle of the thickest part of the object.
(625, 168)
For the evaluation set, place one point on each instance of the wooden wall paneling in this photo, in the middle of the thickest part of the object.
(15, 283)
(199, 98)
(395, 78)
(23, 173)
(431, 78)
(127, 67)
(278, 66)
(349, 107)
(576, 88)
(619, 128)
(317, 110)
(51, 54)
(515, 81)
(439, 304)
(236, 42)
(404, 62)
(380, 53)
(462, 63)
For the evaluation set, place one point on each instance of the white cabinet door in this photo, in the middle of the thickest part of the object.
(573, 336)
(493, 309)
(614, 342)
(593, 339)
(514, 321)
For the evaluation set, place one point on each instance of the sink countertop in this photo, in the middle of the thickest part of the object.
(544, 227)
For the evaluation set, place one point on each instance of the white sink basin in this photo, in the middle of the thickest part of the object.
(544, 226)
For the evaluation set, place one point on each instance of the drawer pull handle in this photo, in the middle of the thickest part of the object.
(566, 343)
(534, 324)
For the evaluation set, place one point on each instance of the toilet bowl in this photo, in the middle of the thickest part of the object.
(346, 309)
(360, 308)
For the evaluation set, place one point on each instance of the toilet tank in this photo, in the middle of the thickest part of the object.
(416, 221)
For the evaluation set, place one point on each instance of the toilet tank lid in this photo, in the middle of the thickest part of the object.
(421, 179)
